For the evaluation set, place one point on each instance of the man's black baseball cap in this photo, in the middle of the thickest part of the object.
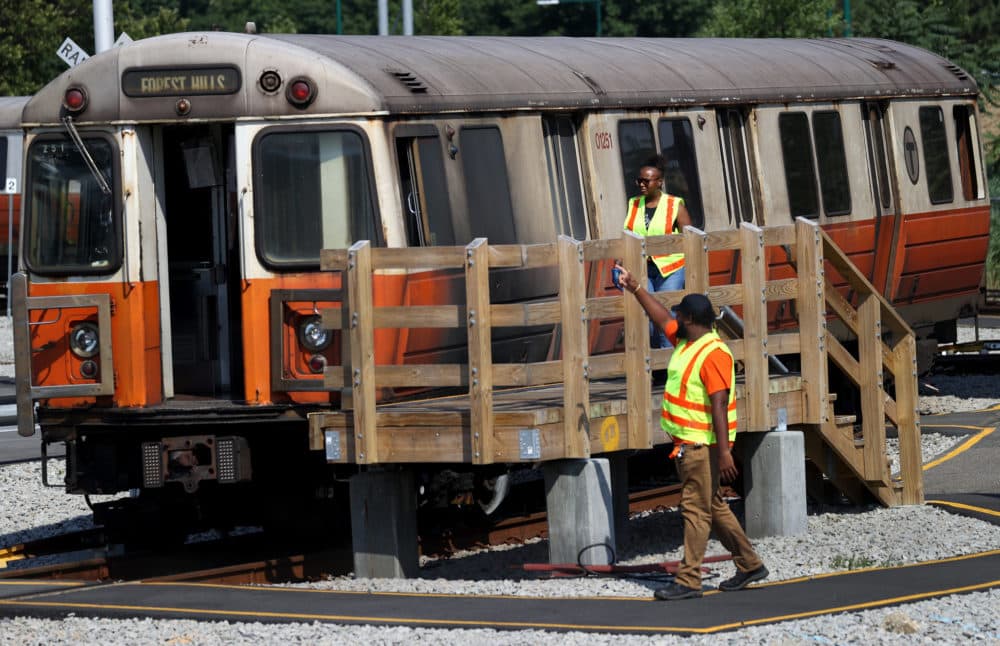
(698, 307)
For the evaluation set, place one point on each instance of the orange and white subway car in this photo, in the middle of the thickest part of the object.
(178, 191)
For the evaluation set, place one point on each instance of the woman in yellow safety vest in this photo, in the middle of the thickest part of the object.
(699, 414)
(655, 213)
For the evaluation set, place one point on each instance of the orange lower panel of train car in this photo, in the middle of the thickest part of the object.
(135, 339)
(940, 254)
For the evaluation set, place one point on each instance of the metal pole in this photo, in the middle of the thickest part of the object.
(10, 246)
(340, 19)
(104, 25)
(407, 17)
(847, 18)
(598, 3)
(383, 17)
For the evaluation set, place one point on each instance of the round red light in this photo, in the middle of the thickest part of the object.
(300, 92)
(75, 99)
(88, 369)
(317, 363)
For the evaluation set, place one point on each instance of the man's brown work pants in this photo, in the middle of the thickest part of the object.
(704, 510)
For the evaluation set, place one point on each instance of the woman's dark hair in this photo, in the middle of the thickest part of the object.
(658, 162)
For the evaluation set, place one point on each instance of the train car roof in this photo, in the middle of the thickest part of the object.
(10, 111)
(424, 74)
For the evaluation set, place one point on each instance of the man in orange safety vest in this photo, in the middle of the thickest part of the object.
(699, 414)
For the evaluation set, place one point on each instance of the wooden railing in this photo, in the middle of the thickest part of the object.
(769, 273)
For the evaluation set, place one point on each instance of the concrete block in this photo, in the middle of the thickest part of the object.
(580, 505)
(619, 492)
(775, 484)
(384, 524)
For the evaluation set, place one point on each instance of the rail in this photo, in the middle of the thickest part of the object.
(574, 403)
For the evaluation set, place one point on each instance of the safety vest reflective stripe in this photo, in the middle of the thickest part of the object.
(663, 221)
(630, 223)
(687, 403)
(696, 426)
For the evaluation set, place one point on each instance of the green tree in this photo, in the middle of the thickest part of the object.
(773, 19)
(28, 45)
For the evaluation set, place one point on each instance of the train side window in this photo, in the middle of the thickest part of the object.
(425, 191)
(736, 162)
(873, 116)
(313, 192)
(487, 188)
(71, 225)
(831, 160)
(637, 145)
(967, 140)
(565, 188)
(935, 145)
(3, 159)
(677, 147)
(797, 155)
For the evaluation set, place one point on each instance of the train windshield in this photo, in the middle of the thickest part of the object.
(70, 223)
(313, 192)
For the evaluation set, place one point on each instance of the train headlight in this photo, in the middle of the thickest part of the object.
(85, 340)
(313, 336)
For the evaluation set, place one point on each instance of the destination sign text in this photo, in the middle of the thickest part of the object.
(180, 82)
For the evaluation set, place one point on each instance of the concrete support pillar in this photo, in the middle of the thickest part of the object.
(775, 484)
(619, 493)
(384, 524)
(580, 509)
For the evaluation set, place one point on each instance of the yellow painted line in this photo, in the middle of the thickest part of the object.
(961, 448)
(511, 624)
(959, 505)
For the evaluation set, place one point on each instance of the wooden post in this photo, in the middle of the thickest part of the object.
(477, 298)
(347, 390)
(695, 260)
(872, 404)
(637, 357)
(811, 306)
(754, 268)
(907, 424)
(573, 310)
(361, 329)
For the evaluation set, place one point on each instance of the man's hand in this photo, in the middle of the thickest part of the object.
(727, 468)
(720, 424)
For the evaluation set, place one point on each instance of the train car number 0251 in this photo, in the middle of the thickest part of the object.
(603, 140)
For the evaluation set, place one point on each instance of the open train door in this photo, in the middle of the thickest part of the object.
(886, 216)
(197, 188)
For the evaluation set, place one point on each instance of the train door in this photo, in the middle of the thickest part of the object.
(198, 185)
(736, 165)
(886, 217)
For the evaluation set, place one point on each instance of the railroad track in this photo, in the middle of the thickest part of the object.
(983, 359)
(256, 558)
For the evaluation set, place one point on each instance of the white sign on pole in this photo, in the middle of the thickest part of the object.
(123, 40)
(71, 53)
(10, 186)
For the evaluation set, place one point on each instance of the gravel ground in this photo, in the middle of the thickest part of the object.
(840, 538)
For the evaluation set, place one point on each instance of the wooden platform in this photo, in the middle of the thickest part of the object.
(784, 284)
(440, 430)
